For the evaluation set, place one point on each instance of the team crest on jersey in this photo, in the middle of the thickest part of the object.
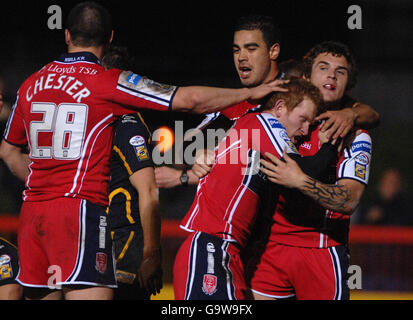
(6, 271)
(101, 262)
(209, 284)
(360, 170)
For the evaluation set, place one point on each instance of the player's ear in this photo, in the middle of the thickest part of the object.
(111, 36)
(68, 38)
(279, 107)
(274, 51)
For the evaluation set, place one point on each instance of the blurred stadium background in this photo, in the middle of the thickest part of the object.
(189, 42)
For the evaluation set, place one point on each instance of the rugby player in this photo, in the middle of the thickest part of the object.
(65, 112)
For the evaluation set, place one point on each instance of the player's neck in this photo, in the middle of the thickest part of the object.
(273, 73)
(97, 51)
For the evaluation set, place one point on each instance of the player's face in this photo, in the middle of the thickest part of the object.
(330, 75)
(252, 57)
(298, 120)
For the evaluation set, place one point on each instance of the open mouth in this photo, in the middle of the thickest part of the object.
(244, 72)
(330, 86)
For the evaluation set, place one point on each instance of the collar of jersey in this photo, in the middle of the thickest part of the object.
(83, 56)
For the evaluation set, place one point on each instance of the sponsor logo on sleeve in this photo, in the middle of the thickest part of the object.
(6, 271)
(275, 124)
(158, 87)
(360, 170)
(133, 78)
(362, 158)
(361, 146)
(138, 143)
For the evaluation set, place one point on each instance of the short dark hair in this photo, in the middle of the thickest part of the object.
(291, 69)
(336, 49)
(118, 57)
(270, 31)
(89, 24)
(298, 89)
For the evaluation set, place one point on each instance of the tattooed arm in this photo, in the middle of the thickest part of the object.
(342, 197)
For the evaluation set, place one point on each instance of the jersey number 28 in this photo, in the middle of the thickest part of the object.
(67, 122)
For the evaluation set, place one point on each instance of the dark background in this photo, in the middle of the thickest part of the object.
(189, 42)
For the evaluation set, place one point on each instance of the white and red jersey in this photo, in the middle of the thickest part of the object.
(227, 200)
(305, 223)
(64, 112)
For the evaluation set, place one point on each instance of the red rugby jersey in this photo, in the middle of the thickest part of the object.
(303, 222)
(227, 199)
(64, 112)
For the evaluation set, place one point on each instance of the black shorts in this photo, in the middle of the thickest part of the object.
(128, 251)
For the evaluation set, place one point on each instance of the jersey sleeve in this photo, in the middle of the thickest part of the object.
(132, 143)
(15, 132)
(357, 159)
(238, 110)
(136, 91)
(274, 136)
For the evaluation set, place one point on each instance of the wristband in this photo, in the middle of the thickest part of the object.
(184, 178)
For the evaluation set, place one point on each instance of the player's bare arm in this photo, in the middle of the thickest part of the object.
(17, 161)
(199, 99)
(342, 121)
(150, 270)
(167, 177)
(342, 197)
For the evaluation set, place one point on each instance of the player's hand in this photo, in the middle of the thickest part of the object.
(339, 122)
(204, 160)
(324, 135)
(167, 177)
(150, 272)
(287, 173)
(264, 89)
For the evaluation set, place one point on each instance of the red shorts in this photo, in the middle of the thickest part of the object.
(208, 268)
(304, 273)
(64, 241)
